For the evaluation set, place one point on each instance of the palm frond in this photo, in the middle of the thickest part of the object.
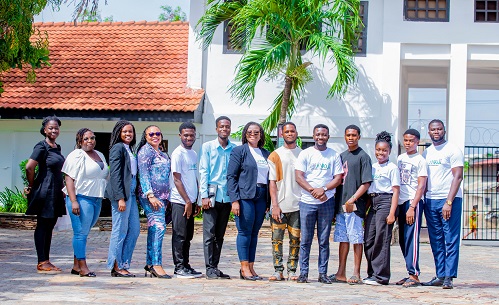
(253, 65)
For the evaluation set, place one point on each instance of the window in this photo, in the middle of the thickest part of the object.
(228, 45)
(361, 46)
(486, 10)
(426, 10)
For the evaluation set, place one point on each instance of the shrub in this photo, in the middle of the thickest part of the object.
(13, 201)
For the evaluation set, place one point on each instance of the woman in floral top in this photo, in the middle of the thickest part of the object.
(154, 172)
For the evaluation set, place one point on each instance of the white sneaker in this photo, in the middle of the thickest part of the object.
(371, 281)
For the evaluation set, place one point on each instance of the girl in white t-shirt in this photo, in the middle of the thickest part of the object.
(384, 194)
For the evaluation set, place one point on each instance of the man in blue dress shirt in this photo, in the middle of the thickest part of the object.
(213, 190)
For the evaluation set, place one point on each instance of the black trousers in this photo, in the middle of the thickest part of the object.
(182, 233)
(377, 237)
(214, 224)
(43, 237)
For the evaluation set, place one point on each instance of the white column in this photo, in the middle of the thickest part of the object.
(456, 110)
(391, 94)
(195, 53)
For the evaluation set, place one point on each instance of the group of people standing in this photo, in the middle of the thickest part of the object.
(303, 189)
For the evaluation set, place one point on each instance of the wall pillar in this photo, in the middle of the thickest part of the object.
(456, 97)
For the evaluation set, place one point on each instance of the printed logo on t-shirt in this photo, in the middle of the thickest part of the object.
(345, 172)
(320, 166)
(192, 167)
(262, 161)
(405, 172)
(435, 162)
(376, 176)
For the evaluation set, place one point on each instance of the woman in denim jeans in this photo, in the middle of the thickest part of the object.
(121, 191)
(154, 189)
(86, 179)
(247, 180)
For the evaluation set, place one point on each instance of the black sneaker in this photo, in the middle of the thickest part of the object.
(222, 275)
(211, 274)
(303, 278)
(436, 281)
(183, 273)
(447, 283)
(193, 272)
(324, 279)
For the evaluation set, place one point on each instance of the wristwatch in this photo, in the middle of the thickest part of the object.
(324, 188)
(449, 202)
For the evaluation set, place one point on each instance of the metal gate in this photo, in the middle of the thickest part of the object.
(481, 193)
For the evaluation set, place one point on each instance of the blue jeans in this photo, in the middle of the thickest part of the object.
(444, 235)
(310, 215)
(125, 231)
(89, 213)
(248, 223)
(156, 227)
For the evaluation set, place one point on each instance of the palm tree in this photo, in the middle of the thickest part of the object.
(273, 34)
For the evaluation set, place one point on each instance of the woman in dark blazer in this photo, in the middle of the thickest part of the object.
(121, 191)
(247, 180)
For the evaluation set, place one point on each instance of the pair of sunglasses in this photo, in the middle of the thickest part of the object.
(157, 134)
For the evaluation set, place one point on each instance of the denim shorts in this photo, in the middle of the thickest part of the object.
(349, 228)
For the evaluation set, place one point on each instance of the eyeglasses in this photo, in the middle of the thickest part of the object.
(255, 133)
(157, 134)
(89, 138)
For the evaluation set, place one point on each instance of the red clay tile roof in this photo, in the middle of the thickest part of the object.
(134, 66)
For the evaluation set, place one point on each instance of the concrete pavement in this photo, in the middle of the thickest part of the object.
(478, 281)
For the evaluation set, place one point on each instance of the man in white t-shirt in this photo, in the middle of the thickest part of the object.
(413, 175)
(285, 194)
(183, 196)
(318, 172)
(443, 204)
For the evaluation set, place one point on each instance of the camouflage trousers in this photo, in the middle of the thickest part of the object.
(291, 222)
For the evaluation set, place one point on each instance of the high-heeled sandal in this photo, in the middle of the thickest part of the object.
(247, 278)
(115, 273)
(159, 276)
(147, 268)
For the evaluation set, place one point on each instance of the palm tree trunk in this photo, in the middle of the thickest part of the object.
(285, 99)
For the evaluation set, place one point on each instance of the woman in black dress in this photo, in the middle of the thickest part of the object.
(45, 196)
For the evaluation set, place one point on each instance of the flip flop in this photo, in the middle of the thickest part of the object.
(411, 283)
(402, 281)
(355, 280)
(333, 279)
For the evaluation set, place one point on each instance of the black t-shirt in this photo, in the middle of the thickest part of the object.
(357, 169)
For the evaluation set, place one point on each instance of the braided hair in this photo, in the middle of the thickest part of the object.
(116, 134)
(143, 140)
(46, 121)
(79, 136)
(384, 136)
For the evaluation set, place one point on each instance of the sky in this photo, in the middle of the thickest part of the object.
(121, 10)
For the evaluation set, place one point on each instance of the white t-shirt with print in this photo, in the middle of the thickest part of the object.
(411, 167)
(441, 160)
(385, 176)
(184, 161)
(319, 167)
(262, 165)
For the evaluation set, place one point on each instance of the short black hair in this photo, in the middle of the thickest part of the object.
(320, 126)
(384, 136)
(46, 121)
(288, 123)
(223, 117)
(354, 127)
(261, 142)
(436, 121)
(413, 132)
(186, 125)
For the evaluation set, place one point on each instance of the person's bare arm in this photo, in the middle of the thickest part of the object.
(349, 205)
(409, 216)
(70, 187)
(393, 208)
(457, 172)
(276, 210)
(30, 175)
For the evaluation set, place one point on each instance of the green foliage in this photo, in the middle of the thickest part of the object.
(93, 16)
(21, 45)
(171, 14)
(272, 33)
(13, 201)
(22, 167)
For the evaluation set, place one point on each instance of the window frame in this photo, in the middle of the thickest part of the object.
(486, 11)
(426, 9)
(363, 32)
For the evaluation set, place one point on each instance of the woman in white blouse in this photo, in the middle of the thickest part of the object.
(86, 178)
